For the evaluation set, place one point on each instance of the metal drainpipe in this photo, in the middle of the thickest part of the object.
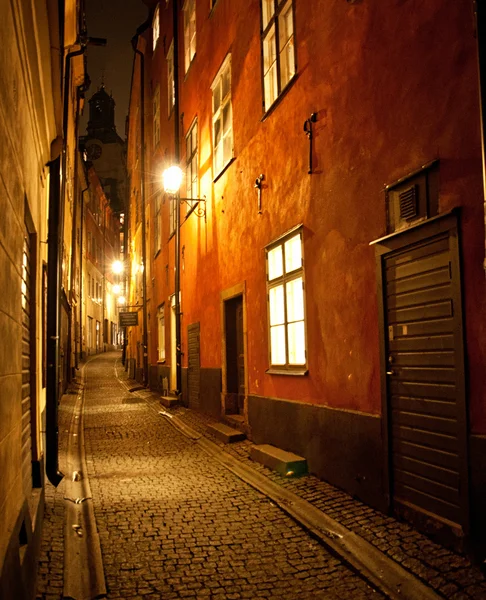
(142, 195)
(480, 11)
(177, 283)
(81, 227)
(73, 237)
(54, 276)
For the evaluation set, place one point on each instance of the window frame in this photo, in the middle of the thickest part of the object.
(161, 354)
(157, 223)
(281, 281)
(190, 179)
(189, 10)
(274, 22)
(156, 116)
(171, 92)
(155, 27)
(219, 114)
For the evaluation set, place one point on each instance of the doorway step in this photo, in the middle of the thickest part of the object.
(285, 463)
(226, 434)
(171, 400)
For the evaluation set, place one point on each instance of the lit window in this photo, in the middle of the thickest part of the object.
(155, 27)
(156, 116)
(222, 117)
(161, 331)
(191, 165)
(170, 78)
(286, 300)
(157, 223)
(278, 48)
(189, 33)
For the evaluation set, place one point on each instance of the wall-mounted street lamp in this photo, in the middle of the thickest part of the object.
(172, 181)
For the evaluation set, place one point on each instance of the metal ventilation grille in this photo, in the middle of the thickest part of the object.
(408, 203)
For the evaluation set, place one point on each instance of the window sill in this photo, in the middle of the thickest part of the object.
(279, 98)
(161, 362)
(223, 170)
(298, 372)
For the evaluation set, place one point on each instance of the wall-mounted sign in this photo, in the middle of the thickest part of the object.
(128, 319)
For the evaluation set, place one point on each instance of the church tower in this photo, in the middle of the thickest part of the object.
(105, 149)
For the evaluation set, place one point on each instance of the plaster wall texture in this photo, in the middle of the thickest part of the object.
(28, 127)
(394, 87)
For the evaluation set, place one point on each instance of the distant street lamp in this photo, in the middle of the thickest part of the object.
(116, 289)
(117, 267)
(121, 300)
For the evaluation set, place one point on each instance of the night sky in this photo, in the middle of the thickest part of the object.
(117, 21)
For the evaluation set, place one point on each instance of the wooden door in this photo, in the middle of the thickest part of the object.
(423, 358)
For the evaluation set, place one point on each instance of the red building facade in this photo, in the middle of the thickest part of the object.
(332, 295)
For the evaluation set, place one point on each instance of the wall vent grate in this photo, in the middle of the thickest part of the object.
(408, 203)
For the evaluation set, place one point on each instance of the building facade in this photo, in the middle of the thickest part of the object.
(318, 279)
(40, 56)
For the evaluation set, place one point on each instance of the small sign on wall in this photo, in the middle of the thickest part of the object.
(128, 319)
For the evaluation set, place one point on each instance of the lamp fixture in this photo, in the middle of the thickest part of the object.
(172, 180)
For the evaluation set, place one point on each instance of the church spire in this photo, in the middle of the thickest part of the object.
(101, 122)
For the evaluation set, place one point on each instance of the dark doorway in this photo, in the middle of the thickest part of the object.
(235, 356)
(424, 375)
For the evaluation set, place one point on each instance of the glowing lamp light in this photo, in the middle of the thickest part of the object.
(172, 178)
(117, 267)
(121, 300)
(116, 289)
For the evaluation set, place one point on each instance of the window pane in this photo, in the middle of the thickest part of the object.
(188, 147)
(216, 98)
(271, 88)
(275, 263)
(217, 132)
(267, 11)
(194, 136)
(293, 254)
(226, 83)
(295, 300)
(269, 50)
(227, 148)
(277, 345)
(226, 117)
(296, 338)
(276, 304)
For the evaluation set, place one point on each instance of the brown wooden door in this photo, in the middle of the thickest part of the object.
(425, 379)
(194, 365)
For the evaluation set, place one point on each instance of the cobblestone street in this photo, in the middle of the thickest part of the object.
(174, 523)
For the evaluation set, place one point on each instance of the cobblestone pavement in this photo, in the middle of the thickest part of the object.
(449, 574)
(174, 524)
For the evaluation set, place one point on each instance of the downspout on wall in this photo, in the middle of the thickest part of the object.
(142, 195)
(54, 274)
(177, 284)
(480, 12)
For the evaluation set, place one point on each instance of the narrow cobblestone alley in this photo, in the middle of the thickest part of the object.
(175, 523)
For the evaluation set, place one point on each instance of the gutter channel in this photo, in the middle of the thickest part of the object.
(84, 577)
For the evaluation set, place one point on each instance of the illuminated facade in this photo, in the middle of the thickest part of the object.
(40, 55)
(331, 292)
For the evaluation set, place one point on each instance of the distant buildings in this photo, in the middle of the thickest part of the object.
(322, 284)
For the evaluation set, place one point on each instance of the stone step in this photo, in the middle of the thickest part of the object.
(225, 433)
(285, 463)
(170, 401)
(235, 421)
